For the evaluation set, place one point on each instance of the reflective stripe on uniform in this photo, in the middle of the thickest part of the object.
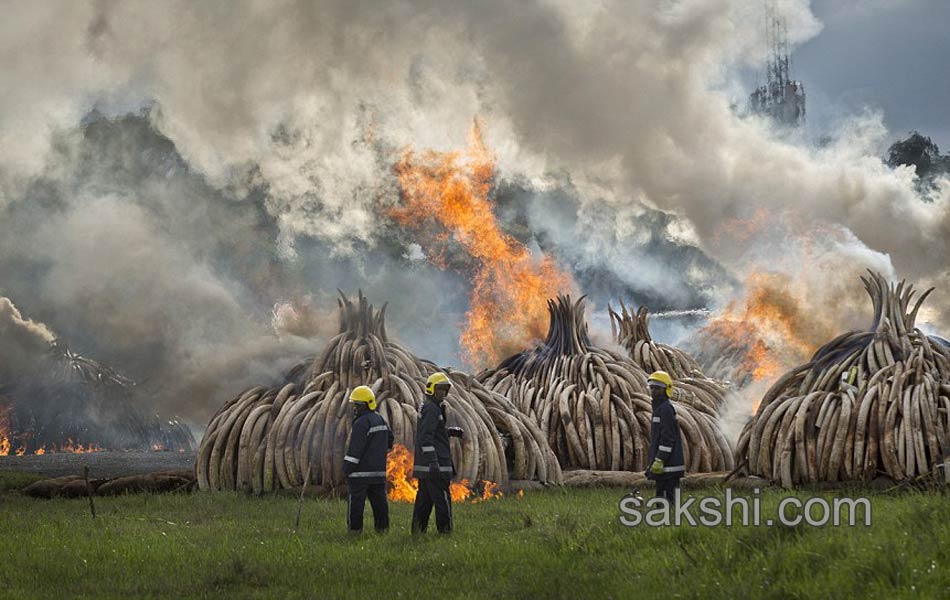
(425, 469)
(428, 448)
(665, 448)
(352, 459)
(369, 474)
(656, 419)
(674, 469)
(378, 428)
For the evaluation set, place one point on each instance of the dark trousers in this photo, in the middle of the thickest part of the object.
(666, 488)
(359, 492)
(432, 492)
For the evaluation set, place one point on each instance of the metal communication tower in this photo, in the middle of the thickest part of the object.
(781, 98)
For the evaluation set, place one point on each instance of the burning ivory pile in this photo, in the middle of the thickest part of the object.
(693, 388)
(868, 401)
(268, 439)
(632, 331)
(592, 404)
(66, 402)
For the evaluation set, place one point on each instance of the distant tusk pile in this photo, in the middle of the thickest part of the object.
(632, 331)
(267, 439)
(693, 388)
(592, 403)
(868, 401)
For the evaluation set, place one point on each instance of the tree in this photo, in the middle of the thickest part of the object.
(921, 153)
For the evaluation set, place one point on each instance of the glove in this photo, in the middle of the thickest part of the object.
(433, 468)
(456, 432)
(657, 467)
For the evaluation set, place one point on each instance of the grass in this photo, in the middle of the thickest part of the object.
(555, 544)
(11, 480)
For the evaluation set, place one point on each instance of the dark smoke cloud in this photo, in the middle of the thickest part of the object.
(134, 259)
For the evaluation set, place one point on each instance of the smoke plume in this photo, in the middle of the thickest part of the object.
(22, 341)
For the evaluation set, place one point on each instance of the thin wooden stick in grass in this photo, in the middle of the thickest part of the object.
(92, 504)
(303, 490)
(743, 464)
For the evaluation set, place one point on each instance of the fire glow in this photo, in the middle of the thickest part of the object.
(4, 430)
(6, 441)
(403, 486)
(767, 324)
(509, 285)
(69, 447)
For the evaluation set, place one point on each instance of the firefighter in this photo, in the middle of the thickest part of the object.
(433, 460)
(365, 462)
(666, 447)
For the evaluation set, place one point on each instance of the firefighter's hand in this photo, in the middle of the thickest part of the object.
(456, 432)
(433, 468)
(657, 467)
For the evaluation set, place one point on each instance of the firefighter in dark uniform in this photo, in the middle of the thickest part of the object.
(666, 446)
(365, 462)
(433, 460)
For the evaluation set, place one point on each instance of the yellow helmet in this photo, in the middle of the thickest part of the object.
(434, 380)
(664, 378)
(364, 394)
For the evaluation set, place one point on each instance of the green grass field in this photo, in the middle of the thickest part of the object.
(562, 543)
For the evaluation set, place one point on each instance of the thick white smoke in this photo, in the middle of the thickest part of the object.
(299, 107)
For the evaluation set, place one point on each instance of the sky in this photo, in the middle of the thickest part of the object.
(886, 55)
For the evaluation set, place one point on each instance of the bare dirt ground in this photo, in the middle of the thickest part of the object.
(101, 464)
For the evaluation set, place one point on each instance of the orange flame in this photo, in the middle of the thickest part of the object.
(768, 325)
(403, 486)
(75, 448)
(69, 447)
(6, 444)
(510, 286)
(490, 490)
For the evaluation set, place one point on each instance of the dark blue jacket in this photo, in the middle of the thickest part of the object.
(432, 441)
(665, 441)
(370, 442)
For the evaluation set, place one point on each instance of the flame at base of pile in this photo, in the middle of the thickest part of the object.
(271, 439)
(7, 445)
(71, 404)
(403, 487)
(68, 448)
